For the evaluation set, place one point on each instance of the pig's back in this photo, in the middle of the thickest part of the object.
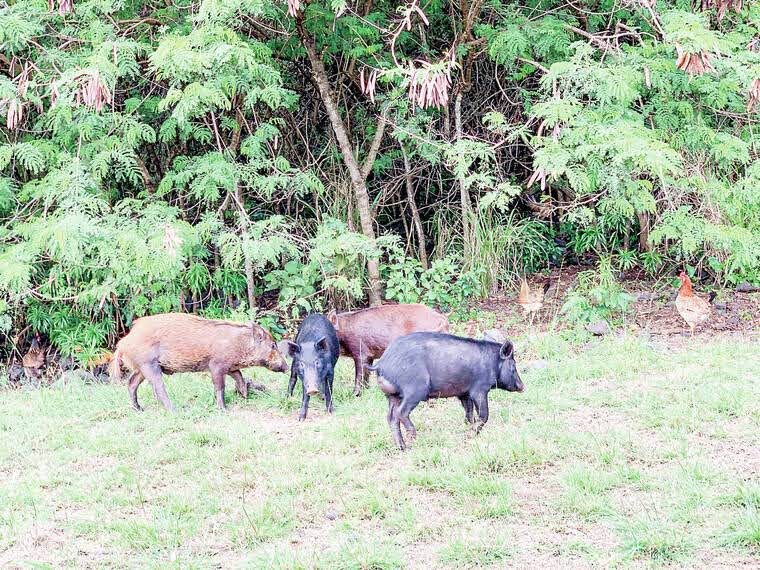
(439, 354)
(180, 342)
(389, 322)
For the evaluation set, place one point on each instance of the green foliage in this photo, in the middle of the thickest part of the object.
(596, 296)
(155, 154)
(444, 285)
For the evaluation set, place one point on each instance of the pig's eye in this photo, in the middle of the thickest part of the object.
(318, 363)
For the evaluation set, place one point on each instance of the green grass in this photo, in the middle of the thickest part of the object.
(621, 452)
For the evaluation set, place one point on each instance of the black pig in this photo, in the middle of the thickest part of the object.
(426, 365)
(314, 353)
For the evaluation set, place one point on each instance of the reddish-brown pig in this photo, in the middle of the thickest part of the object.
(365, 334)
(177, 342)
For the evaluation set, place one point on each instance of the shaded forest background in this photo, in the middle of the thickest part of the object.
(261, 159)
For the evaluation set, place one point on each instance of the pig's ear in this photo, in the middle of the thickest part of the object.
(288, 348)
(321, 344)
(258, 332)
(506, 350)
(332, 316)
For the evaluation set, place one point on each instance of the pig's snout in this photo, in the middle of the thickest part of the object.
(311, 384)
(276, 363)
(516, 386)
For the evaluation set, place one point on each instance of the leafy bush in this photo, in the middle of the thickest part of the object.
(597, 295)
(444, 285)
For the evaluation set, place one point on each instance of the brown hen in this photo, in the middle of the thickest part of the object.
(531, 301)
(694, 310)
(34, 359)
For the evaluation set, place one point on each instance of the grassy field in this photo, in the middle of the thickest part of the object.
(621, 452)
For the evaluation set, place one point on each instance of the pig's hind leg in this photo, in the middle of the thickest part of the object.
(403, 410)
(394, 402)
(152, 372)
(360, 364)
(133, 384)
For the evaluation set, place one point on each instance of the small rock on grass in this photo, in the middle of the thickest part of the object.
(746, 287)
(646, 296)
(535, 365)
(76, 376)
(598, 328)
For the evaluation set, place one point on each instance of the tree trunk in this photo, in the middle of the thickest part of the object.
(464, 192)
(319, 74)
(413, 207)
(644, 244)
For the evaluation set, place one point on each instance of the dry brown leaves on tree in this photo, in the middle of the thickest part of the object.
(721, 5)
(429, 87)
(693, 63)
(293, 7)
(64, 6)
(91, 89)
(15, 111)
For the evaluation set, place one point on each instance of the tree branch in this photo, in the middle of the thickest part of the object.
(375, 146)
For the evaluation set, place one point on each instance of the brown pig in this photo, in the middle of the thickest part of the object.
(176, 342)
(365, 334)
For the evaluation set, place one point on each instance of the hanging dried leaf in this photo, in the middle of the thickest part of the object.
(537, 175)
(293, 7)
(23, 81)
(15, 113)
(754, 95)
(64, 6)
(92, 91)
(172, 241)
(721, 5)
(367, 83)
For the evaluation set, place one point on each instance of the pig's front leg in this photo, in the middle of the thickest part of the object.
(293, 379)
(481, 402)
(329, 393)
(241, 385)
(304, 405)
(467, 405)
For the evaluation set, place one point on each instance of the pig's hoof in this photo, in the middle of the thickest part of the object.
(357, 392)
